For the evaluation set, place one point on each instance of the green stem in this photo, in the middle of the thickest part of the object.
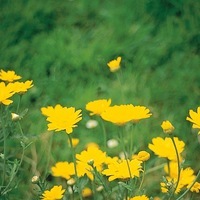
(104, 133)
(120, 83)
(142, 181)
(179, 168)
(75, 166)
(17, 169)
(19, 102)
(48, 155)
(20, 128)
(198, 175)
(126, 158)
(2, 124)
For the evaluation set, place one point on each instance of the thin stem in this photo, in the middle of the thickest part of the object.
(12, 178)
(179, 168)
(75, 166)
(20, 128)
(48, 154)
(19, 102)
(131, 139)
(2, 125)
(123, 147)
(104, 133)
(198, 175)
(120, 83)
(142, 181)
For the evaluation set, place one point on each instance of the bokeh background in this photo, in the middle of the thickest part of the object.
(64, 47)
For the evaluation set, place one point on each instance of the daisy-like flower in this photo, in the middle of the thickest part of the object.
(118, 169)
(5, 93)
(97, 107)
(118, 115)
(61, 118)
(195, 118)
(165, 148)
(114, 65)
(88, 159)
(63, 169)
(123, 114)
(167, 127)
(186, 177)
(55, 193)
(21, 87)
(142, 156)
(9, 76)
(142, 197)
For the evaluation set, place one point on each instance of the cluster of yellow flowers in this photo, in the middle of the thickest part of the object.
(96, 165)
(10, 85)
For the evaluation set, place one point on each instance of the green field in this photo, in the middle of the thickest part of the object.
(64, 47)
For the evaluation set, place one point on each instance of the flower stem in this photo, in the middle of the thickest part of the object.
(179, 168)
(198, 175)
(104, 133)
(75, 167)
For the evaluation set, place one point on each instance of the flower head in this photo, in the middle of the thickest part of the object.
(142, 197)
(75, 142)
(61, 118)
(5, 93)
(21, 87)
(97, 107)
(123, 114)
(118, 115)
(164, 147)
(114, 65)
(186, 177)
(63, 169)
(167, 127)
(87, 159)
(142, 156)
(194, 118)
(123, 169)
(55, 193)
(9, 76)
(195, 187)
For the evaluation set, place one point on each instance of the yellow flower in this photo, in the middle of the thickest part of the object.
(114, 65)
(194, 118)
(87, 159)
(195, 187)
(63, 169)
(123, 114)
(142, 156)
(118, 169)
(167, 127)
(142, 197)
(55, 193)
(61, 118)
(21, 87)
(5, 93)
(186, 177)
(9, 76)
(118, 115)
(164, 147)
(86, 192)
(98, 106)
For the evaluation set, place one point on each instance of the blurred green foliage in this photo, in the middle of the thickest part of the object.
(63, 46)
